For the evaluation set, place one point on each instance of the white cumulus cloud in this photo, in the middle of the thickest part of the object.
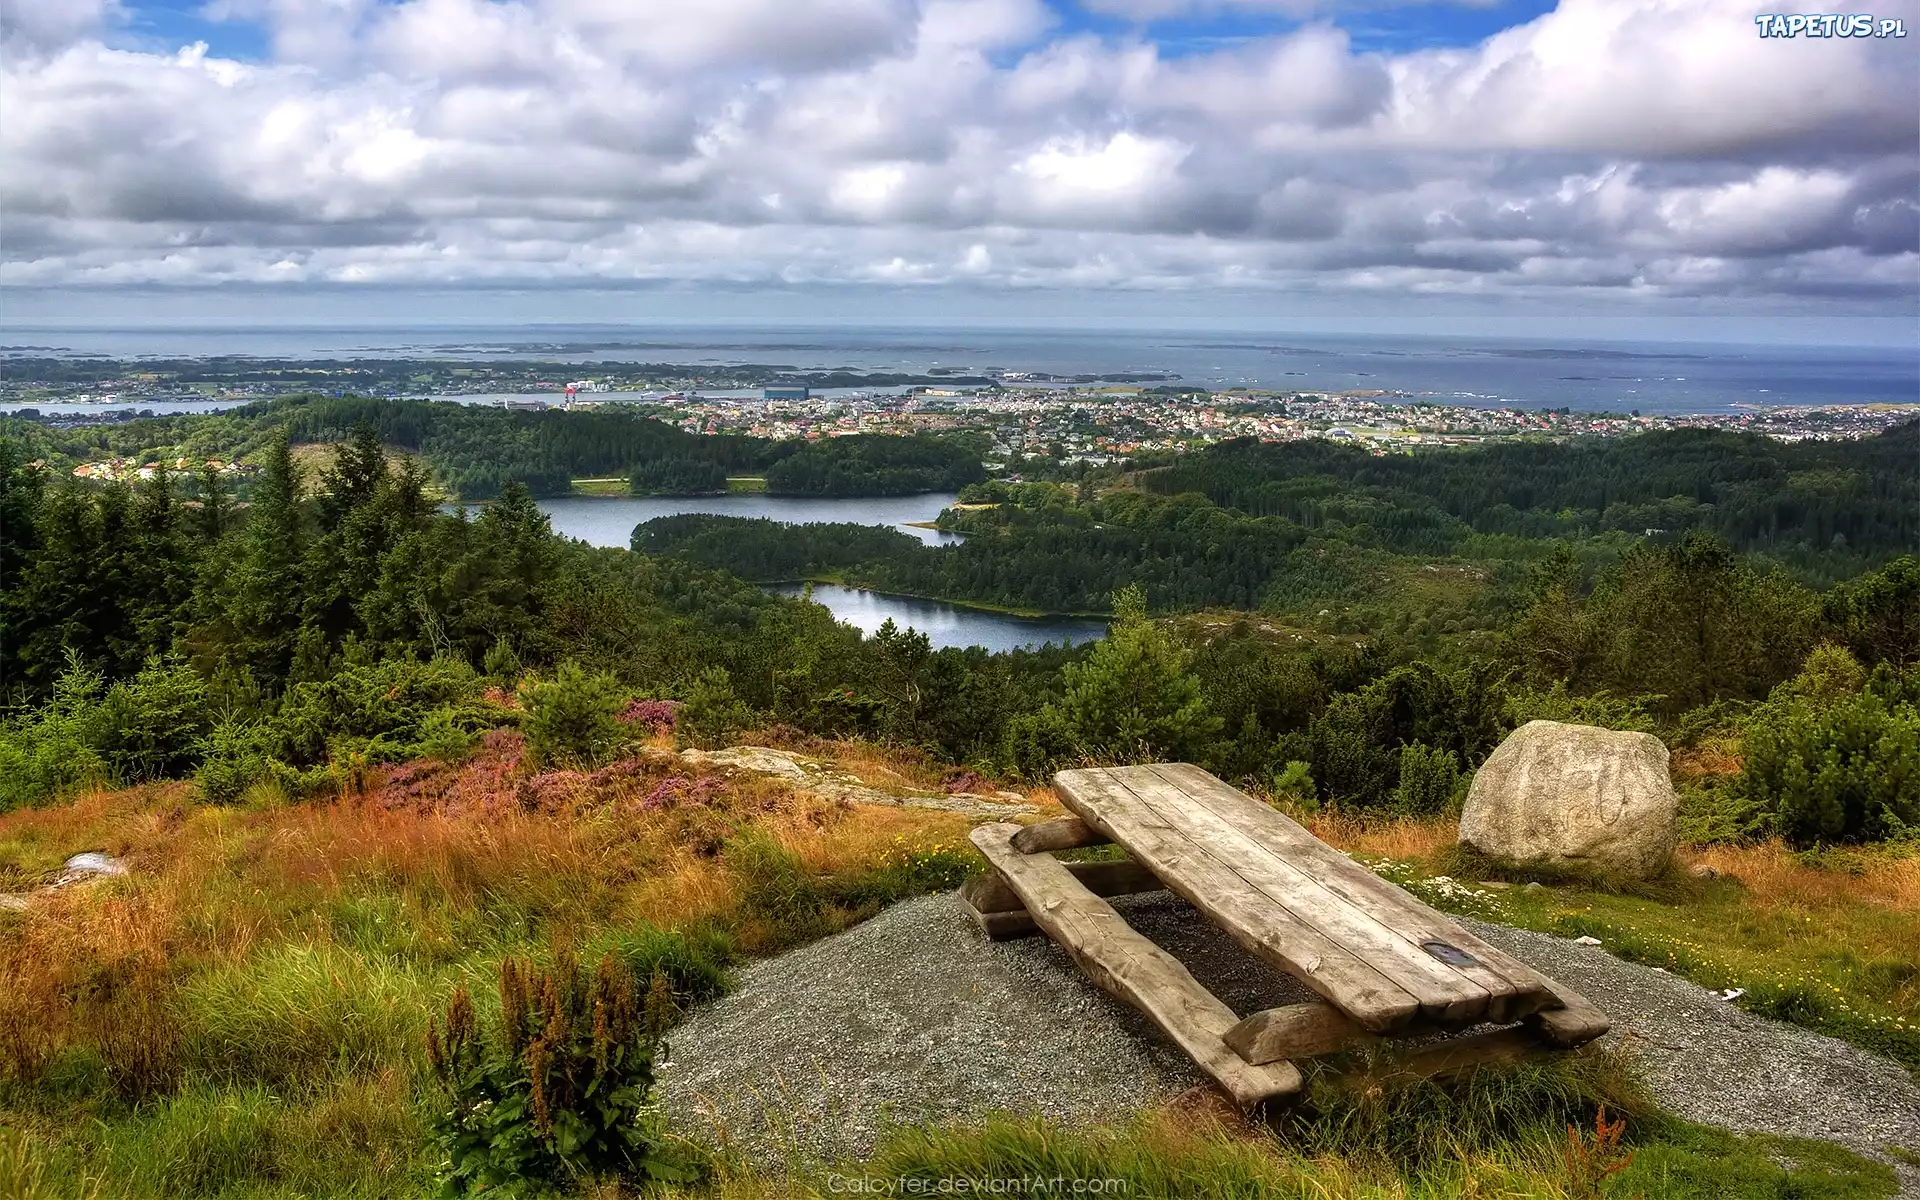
(1632, 146)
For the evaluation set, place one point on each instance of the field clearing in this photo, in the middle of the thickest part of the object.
(242, 1013)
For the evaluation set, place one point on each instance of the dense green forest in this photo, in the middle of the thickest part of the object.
(474, 452)
(1450, 537)
(345, 619)
(1821, 507)
(872, 465)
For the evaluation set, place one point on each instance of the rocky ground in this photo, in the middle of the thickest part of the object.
(914, 1016)
(830, 781)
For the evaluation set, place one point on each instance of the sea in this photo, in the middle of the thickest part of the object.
(1653, 377)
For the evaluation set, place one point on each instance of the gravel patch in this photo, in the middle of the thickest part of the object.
(914, 1016)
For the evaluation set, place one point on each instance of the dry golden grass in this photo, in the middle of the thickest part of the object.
(1400, 838)
(1717, 757)
(1774, 876)
(212, 887)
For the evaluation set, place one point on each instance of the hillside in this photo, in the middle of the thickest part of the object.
(369, 765)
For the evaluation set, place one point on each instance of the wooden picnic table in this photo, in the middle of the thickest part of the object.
(1383, 962)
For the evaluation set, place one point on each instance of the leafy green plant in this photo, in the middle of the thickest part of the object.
(151, 726)
(1601, 708)
(1296, 782)
(712, 712)
(234, 757)
(501, 662)
(1715, 809)
(574, 718)
(562, 1089)
(377, 709)
(51, 749)
(1133, 699)
(1356, 745)
(1836, 766)
(1429, 779)
(443, 736)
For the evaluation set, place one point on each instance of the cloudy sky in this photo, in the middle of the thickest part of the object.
(1640, 166)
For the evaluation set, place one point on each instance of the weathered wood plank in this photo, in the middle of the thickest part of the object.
(1370, 997)
(1444, 992)
(1003, 926)
(1129, 966)
(1110, 877)
(1515, 988)
(1575, 1023)
(1295, 1031)
(1061, 833)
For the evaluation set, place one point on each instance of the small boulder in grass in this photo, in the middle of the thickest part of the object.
(1574, 796)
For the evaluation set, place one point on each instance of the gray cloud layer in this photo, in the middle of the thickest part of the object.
(1621, 146)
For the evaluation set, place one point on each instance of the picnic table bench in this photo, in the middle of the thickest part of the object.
(1383, 963)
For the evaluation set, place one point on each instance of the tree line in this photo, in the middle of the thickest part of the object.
(1824, 508)
(345, 619)
(476, 451)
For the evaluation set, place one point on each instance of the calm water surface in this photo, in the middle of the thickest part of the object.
(945, 624)
(609, 520)
(1656, 377)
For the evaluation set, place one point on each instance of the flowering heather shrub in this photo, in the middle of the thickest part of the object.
(656, 716)
(965, 781)
(497, 778)
(678, 790)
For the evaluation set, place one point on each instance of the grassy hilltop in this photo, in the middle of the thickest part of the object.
(417, 874)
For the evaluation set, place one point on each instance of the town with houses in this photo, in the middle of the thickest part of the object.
(1023, 414)
(1099, 423)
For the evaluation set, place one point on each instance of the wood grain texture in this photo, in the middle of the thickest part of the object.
(1271, 931)
(1124, 963)
(1111, 877)
(1514, 988)
(1061, 833)
(1575, 1022)
(1295, 1031)
(1510, 1045)
(1446, 993)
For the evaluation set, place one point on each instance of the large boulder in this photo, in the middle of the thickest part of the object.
(1557, 795)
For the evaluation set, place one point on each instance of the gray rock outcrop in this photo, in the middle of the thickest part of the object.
(1558, 795)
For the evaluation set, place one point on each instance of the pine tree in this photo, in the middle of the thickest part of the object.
(163, 565)
(75, 590)
(214, 517)
(21, 491)
(264, 606)
(1132, 698)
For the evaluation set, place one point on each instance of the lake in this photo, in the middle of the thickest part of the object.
(609, 521)
(945, 624)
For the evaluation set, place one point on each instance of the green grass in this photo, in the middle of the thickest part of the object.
(1160, 1158)
(791, 905)
(746, 483)
(1791, 937)
(601, 487)
(296, 1012)
(348, 1138)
